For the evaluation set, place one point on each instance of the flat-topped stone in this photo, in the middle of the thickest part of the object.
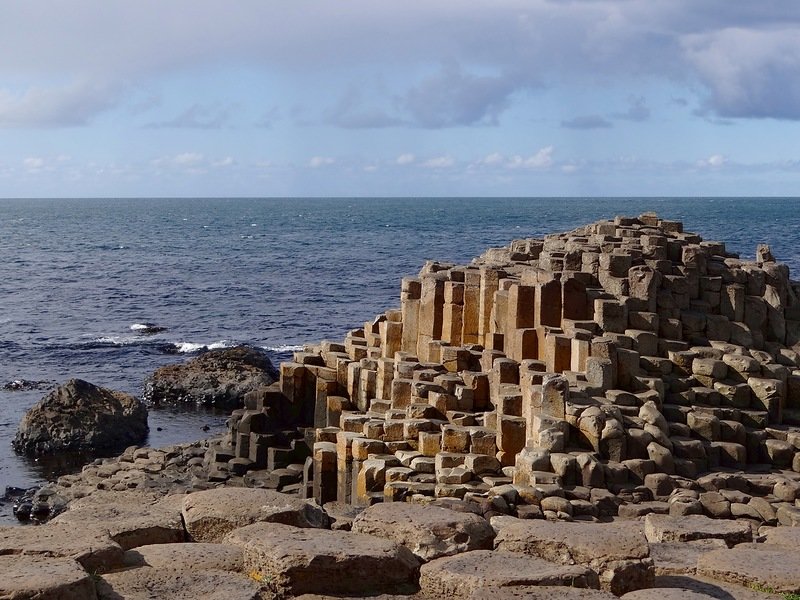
(44, 578)
(197, 556)
(787, 537)
(147, 583)
(129, 523)
(303, 560)
(715, 588)
(462, 575)
(210, 514)
(777, 569)
(617, 551)
(677, 558)
(543, 592)
(92, 547)
(428, 531)
(668, 528)
(666, 594)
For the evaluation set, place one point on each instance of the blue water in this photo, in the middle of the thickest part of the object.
(76, 274)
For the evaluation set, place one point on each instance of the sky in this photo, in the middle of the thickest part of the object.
(130, 98)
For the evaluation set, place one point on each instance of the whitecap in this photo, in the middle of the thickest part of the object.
(283, 348)
(189, 347)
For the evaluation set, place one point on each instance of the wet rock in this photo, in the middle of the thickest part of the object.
(81, 416)
(216, 378)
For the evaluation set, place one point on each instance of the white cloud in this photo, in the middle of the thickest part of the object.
(223, 162)
(51, 107)
(713, 161)
(405, 159)
(33, 163)
(543, 159)
(439, 162)
(748, 72)
(320, 161)
(188, 159)
(495, 158)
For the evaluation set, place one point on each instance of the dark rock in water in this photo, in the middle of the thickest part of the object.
(216, 378)
(81, 416)
(147, 328)
(22, 385)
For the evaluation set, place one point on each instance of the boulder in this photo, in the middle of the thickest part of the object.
(210, 514)
(462, 575)
(668, 528)
(617, 552)
(81, 416)
(44, 578)
(90, 546)
(774, 568)
(145, 583)
(299, 560)
(428, 531)
(666, 594)
(215, 378)
(714, 588)
(197, 556)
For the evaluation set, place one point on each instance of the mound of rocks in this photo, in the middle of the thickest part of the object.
(215, 378)
(81, 416)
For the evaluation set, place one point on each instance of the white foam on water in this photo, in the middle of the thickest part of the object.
(188, 347)
(283, 348)
(140, 326)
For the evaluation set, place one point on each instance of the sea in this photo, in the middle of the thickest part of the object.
(81, 278)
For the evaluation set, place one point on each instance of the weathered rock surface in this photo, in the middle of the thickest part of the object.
(299, 560)
(666, 594)
(197, 556)
(216, 378)
(464, 574)
(209, 515)
(667, 528)
(42, 578)
(133, 518)
(540, 592)
(91, 547)
(617, 552)
(772, 568)
(147, 583)
(715, 588)
(428, 531)
(81, 416)
(680, 558)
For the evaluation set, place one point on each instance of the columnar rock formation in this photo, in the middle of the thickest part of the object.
(621, 357)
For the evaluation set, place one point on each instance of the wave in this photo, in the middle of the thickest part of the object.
(189, 347)
(282, 348)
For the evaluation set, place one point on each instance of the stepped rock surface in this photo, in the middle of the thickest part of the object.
(614, 407)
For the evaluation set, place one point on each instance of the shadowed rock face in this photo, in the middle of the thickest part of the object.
(81, 416)
(216, 378)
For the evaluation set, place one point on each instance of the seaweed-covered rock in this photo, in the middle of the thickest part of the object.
(81, 416)
(215, 378)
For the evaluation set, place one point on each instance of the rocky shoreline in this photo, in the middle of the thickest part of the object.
(608, 412)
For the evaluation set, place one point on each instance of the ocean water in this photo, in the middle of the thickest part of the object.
(77, 277)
